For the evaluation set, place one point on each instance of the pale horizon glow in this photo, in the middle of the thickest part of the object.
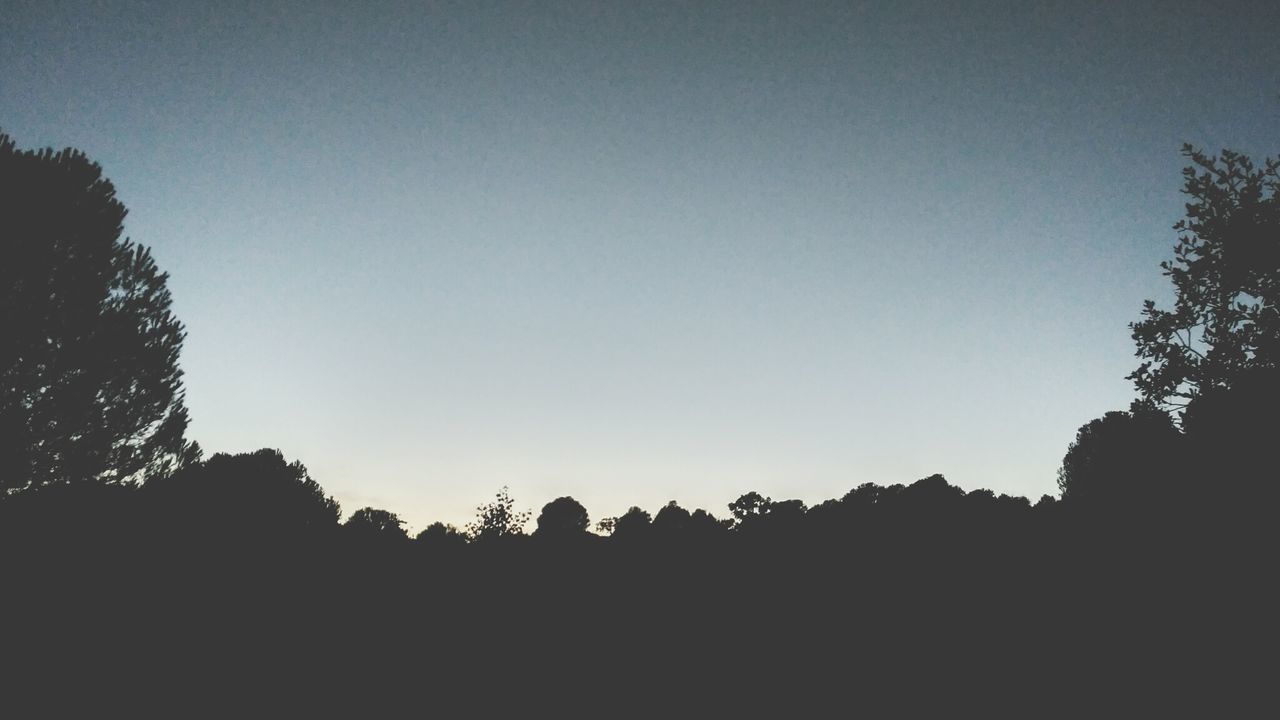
(635, 254)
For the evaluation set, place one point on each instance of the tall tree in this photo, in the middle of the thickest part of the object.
(90, 387)
(1226, 276)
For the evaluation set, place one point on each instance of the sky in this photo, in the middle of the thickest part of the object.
(641, 252)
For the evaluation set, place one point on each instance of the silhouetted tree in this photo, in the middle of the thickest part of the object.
(828, 517)
(562, 518)
(749, 507)
(499, 519)
(934, 490)
(440, 536)
(1226, 274)
(672, 521)
(373, 525)
(865, 496)
(932, 501)
(89, 382)
(1122, 460)
(634, 524)
(254, 494)
(703, 525)
(786, 515)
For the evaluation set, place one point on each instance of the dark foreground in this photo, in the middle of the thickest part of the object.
(1059, 618)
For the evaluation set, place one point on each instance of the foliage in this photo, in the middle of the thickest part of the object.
(374, 524)
(749, 507)
(90, 388)
(703, 524)
(440, 535)
(671, 520)
(1121, 460)
(498, 519)
(1226, 275)
(634, 523)
(256, 493)
(563, 517)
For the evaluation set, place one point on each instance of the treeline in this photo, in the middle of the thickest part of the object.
(234, 579)
(1134, 472)
(259, 498)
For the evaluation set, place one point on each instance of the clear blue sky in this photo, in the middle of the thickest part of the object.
(634, 252)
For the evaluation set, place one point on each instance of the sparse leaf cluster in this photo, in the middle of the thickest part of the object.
(498, 519)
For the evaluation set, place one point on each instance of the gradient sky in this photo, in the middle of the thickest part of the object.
(642, 251)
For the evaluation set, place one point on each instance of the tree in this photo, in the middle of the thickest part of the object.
(786, 514)
(374, 525)
(862, 497)
(497, 520)
(606, 526)
(252, 495)
(703, 525)
(89, 382)
(672, 520)
(1122, 461)
(1226, 276)
(563, 518)
(749, 508)
(440, 536)
(633, 524)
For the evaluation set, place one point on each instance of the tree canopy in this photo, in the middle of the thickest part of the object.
(562, 518)
(1226, 276)
(258, 493)
(90, 387)
(440, 536)
(374, 525)
(632, 524)
(1122, 460)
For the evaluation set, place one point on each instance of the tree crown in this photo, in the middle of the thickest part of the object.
(90, 387)
(1226, 276)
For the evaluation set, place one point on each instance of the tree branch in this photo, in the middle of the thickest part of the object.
(1187, 343)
